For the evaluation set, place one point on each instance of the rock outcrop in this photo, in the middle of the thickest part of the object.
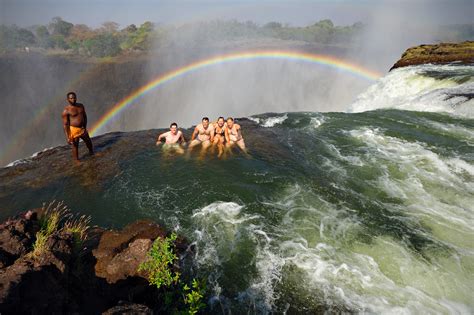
(119, 253)
(101, 276)
(437, 54)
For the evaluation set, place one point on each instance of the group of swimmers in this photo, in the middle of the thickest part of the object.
(221, 134)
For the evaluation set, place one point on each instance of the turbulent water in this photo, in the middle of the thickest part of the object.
(370, 211)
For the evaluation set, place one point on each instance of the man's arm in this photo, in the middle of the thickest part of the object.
(213, 132)
(183, 141)
(239, 131)
(85, 116)
(195, 132)
(161, 136)
(67, 131)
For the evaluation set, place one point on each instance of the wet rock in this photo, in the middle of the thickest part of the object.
(17, 237)
(120, 252)
(27, 286)
(59, 251)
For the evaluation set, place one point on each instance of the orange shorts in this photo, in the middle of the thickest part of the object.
(76, 132)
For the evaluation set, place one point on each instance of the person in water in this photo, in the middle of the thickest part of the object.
(203, 134)
(233, 135)
(219, 135)
(75, 125)
(173, 139)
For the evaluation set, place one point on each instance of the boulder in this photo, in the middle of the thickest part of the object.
(17, 237)
(28, 285)
(119, 253)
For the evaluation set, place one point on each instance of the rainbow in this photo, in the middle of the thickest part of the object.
(229, 58)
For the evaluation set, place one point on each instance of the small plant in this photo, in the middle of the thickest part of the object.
(159, 267)
(193, 296)
(52, 216)
(161, 258)
(78, 227)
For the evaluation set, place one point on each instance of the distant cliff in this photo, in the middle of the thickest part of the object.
(440, 53)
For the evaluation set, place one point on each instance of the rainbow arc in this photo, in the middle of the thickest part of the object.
(323, 60)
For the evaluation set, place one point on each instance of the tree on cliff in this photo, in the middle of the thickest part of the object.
(102, 45)
(138, 38)
(60, 27)
(43, 37)
(14, 37)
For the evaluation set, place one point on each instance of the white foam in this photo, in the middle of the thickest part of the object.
(272, 121)
(408, 89)
(254, 119)
(28, 159)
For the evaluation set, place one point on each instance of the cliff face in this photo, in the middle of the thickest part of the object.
(440, 53)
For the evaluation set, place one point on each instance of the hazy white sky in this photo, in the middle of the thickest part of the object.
(296, 12)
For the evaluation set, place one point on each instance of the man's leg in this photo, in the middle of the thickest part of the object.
(75, 150)
(87, 140)
(220, 147)
(206, 144)
(241, 145)
(179, 150)
(194, 143)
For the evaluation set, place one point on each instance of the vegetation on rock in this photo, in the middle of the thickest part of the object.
(54, 215)
(161, 270)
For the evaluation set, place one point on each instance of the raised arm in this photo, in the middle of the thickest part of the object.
(65, 117)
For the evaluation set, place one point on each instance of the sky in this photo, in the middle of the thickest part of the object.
(297, 12)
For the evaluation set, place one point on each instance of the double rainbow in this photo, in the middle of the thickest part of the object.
(323, 60)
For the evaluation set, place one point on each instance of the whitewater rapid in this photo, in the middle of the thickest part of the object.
(367, 211)
(435, 88)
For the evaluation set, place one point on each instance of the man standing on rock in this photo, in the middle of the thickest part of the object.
(75, 124)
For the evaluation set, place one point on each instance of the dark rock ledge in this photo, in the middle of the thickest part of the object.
(100, 277)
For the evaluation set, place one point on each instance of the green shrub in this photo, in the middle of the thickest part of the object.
(193, 296)
(159, 265)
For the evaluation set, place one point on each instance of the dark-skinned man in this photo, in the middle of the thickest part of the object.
(75, 125)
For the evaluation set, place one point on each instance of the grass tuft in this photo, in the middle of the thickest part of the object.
(54, 215)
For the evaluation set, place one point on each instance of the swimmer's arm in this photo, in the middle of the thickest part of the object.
(239, 131)
(227, 138)
(161, 136)
(213, 131)
(183, 141)
(195, 132)
(66, 124)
